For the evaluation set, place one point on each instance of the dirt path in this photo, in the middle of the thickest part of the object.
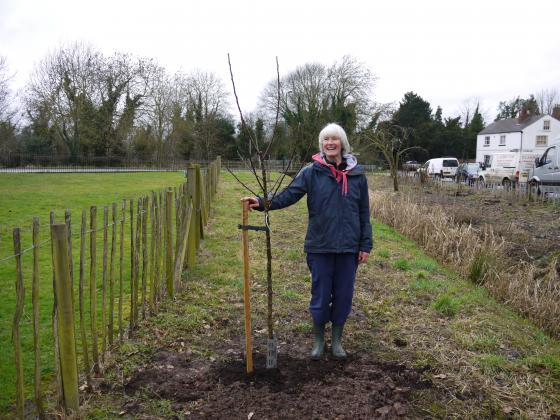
(409, 355)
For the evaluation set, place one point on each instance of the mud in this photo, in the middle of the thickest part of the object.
(360, 387)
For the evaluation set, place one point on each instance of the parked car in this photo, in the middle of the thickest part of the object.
(546, 170)
(507, 168)
(411, 165)
(440, 167)
(468, 172)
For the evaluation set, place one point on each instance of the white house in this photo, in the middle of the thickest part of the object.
(527, 133)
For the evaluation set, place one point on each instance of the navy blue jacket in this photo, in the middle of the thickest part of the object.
(337, 223)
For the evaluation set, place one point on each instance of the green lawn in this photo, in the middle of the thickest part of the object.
(23, 196)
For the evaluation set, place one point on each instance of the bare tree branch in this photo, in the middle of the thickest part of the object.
(241, 182)
(243, 123)
(278, 93)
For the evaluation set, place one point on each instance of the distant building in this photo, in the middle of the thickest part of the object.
(526, 133)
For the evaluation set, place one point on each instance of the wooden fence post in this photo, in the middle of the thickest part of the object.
(218, 170)
(151, 276)
(204, 210)
(58, 374)
(177, 200)
(85, 351)
(112, 274)
(199, 207)
(192, 244)
(181, 251)
(66, 338)
(35, 303)
(169, 257)
(68, 222)
(157, 260)
(162, 284)
(93, 286)
(16, 337)
(137, 245)
(132, 270)
(121, 265)
(145, 204)
(104, 285)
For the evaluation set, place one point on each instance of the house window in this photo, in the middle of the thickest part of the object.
(502, 140)
(542, 141)
(487, 160)
(546, 125)
(487, 141)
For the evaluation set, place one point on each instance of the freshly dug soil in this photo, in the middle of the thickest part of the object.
(360, 387)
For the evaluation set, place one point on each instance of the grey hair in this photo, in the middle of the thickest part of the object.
(335, 130)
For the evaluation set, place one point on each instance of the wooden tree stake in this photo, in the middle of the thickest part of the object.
(247, 290)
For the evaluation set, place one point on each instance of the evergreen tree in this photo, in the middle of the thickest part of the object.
(471, 130)
(415, 113)
(512, 108)
(437, 115)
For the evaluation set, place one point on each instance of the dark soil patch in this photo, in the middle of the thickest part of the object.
(360, 387)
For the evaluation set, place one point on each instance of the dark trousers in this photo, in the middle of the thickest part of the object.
(332, 286)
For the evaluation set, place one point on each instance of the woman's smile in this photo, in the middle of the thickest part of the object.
(332, 147)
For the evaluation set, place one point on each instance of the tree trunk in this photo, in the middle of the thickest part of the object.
(394, 175)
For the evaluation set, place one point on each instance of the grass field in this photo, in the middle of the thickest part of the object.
(23, 196)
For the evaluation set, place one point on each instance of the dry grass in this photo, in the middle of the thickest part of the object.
(477, 254)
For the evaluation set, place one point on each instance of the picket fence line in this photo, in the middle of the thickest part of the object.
(157, 262)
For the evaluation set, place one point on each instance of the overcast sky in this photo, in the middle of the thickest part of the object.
(446, 51)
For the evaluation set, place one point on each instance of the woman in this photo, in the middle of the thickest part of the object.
(338, 232)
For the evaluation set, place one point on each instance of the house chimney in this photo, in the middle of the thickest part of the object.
(556, 111)
(524, 115)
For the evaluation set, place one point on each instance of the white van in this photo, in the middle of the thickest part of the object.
(547, 167)
(440, 167)
(507, 168)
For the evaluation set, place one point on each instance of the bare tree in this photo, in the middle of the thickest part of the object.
(91, 100)
(5, 112)
(392, 142)
(468, 108)
(158, 104)
(547, 99)
(351, 82)
(181, 134)
(315, 94)
(65, 83)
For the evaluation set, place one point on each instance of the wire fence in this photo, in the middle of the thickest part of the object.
(92, 283)
(26, 163)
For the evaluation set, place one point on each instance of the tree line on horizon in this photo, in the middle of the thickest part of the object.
(80, 103)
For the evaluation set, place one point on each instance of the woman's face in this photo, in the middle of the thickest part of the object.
(332, 146)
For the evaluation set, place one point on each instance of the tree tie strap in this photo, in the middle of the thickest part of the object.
(249, 227)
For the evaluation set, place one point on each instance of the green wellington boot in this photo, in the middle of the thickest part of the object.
(318, 349)
(337, 350)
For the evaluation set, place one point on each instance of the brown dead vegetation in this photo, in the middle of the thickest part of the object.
(477, 252)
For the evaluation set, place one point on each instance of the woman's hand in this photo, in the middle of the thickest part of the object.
(362, 257)
(253, 202)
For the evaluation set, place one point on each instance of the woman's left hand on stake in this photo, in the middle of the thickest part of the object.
(362, 257)
(253, 202)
